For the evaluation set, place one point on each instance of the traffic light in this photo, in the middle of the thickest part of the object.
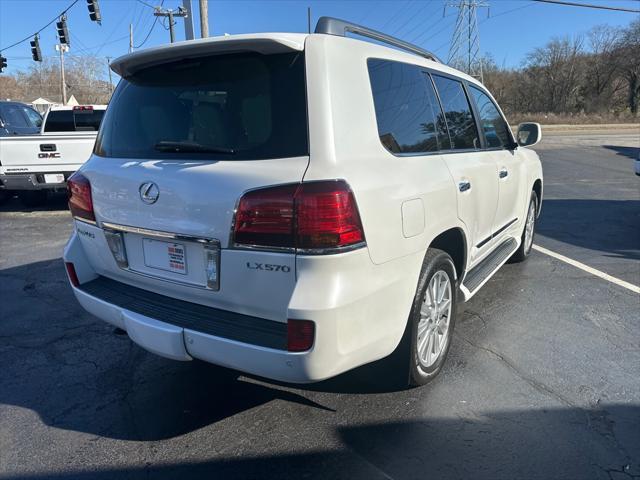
(94, 11)
(35, 49)
(63, 31)
(3, 63)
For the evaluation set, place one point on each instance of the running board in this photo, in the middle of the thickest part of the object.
(479, 274)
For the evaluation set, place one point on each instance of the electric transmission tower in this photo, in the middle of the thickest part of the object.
(464, 53)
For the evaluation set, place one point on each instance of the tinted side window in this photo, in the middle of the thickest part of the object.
(60, 121)
(495, 128)
(407, 109)
(462, 127)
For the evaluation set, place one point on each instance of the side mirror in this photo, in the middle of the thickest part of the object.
(529, 134)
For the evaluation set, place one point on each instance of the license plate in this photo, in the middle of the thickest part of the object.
(168, 256)
(53, 178)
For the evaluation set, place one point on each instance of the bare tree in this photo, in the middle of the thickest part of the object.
(602, 67)
(629, 53)
(42, 79)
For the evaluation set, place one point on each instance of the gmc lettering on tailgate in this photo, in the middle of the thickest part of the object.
(49, 155)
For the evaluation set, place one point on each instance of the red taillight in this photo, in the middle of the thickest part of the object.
(315, 215)
(79, 191)
(265, 217)
(71, 271)
(300, 335)
(327, 216)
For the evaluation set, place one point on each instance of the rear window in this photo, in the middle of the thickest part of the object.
(244, 106)
(73, 120)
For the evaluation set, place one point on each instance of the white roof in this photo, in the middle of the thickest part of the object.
(255, 42)
(42, 101)
(71, 107)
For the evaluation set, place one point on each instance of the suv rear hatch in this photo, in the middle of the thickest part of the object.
(182, 140)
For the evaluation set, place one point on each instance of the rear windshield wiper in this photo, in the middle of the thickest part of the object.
(191, 147)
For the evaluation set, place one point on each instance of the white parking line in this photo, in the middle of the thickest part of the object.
(588, 269)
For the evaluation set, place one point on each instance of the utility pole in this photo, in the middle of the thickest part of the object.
(62, 48)
(168, 12)
(464, 52)
(188, 20)
(308, 19)
(204, 18)
(130, 38)
(109, 69)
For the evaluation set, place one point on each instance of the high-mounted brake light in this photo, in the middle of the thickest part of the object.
(80, 202)
(309, 216)
(82, 107)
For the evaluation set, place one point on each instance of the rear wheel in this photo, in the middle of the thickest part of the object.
(432, 318)
(33, 198)
(529, 231)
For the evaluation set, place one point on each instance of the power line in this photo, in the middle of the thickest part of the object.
(145, 4)
(28, 37)
(151, 29)
(414, 16)
(507, 11)
(588, 5)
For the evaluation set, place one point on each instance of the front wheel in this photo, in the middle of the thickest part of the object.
(432, 318)
(529, 231)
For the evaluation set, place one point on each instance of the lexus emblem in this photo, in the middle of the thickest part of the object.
(149, 192)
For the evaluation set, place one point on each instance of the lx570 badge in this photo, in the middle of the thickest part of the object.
(268, 267)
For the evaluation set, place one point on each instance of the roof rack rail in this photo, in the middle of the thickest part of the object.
(335, 26)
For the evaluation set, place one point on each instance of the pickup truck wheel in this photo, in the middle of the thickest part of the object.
(33, 198)
(432, 318)
(3, 196)
(528, 233)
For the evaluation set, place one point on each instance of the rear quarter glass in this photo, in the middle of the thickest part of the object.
(243, 106)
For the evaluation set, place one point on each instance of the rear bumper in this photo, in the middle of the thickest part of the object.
(359, 310)
(30, 181)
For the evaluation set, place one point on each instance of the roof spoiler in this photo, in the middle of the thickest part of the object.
(336, 26)
(128, 65)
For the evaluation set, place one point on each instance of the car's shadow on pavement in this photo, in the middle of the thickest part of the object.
(543, 444)
(608, 226)
(630, 152)
(54, 202)
(77, 374)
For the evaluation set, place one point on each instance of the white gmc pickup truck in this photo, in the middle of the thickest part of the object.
(32, 165)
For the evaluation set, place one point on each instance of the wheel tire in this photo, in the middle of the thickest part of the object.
(33, 198)
(524, 250)
(4, 196)
(436, 262)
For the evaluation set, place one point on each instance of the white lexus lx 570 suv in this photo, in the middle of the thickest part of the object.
(294, 206)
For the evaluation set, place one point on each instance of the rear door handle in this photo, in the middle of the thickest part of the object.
(464, 186)
(503, 173)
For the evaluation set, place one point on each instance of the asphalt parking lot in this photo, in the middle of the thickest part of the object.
(543, 378)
